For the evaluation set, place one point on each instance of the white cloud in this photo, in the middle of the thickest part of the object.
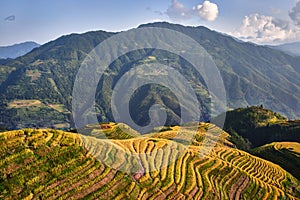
(295, 14)
(270, 30)
(265, 30)
(178, 11)
(208, 11)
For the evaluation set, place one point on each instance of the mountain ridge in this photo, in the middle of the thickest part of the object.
(260, 75)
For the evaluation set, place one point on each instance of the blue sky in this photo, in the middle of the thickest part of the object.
(263, 22)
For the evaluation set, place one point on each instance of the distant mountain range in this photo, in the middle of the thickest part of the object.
(17, 50)
(36, 89)
(289, 48)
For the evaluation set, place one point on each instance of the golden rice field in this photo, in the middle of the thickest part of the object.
(285, 154)
(51, 164)
(291, 146)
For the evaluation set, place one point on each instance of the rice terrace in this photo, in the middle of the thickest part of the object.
(50, 164)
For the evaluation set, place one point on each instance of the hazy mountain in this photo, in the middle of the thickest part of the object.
(17, 50)
(290, 48)
(35, 89)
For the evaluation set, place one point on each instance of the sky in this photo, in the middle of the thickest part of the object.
(257, 21)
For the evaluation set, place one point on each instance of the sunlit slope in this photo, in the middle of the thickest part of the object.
(110, 131)
(285, 154)
(49, 164)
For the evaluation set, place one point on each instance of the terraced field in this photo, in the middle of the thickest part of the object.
(285, 154)
(50, 164)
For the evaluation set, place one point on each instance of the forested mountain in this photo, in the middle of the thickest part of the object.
(35, 89)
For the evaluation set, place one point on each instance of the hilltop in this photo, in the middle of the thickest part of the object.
(256, 126)
(52, 164)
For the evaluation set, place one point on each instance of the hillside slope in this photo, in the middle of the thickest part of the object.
(285, 154)
(51, 164)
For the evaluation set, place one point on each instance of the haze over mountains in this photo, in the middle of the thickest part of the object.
(17, 50)
(35, 89)
(290, 48)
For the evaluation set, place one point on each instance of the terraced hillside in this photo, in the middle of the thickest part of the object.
(50, 164)
(285, 154)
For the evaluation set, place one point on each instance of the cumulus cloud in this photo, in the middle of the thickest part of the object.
(270, 30)
(264, 29)
(208, 11)
(295, 14)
